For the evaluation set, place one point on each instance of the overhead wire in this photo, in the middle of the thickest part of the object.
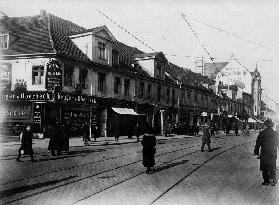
(231, 34)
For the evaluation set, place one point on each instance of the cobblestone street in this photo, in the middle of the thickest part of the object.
(113, 174)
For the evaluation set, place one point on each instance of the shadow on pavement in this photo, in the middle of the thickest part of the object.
(169, 165)
(13, 191)
(215, 148)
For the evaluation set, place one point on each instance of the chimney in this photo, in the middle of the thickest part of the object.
(42, 13)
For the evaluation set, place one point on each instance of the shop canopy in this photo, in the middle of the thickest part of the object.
(252, 120)
(124, 111)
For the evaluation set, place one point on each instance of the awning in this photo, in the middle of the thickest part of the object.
(251, 120)
(124, 111)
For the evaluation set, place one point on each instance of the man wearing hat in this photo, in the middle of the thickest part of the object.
(268, 142)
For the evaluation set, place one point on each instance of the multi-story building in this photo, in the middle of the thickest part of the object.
(53, 69)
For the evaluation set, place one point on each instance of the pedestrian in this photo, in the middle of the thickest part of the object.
(86, 133)
(149, 149)
(267, 145)
(137, 132)
(205, 137)
(26, 144)
(95, 132)
(236, 128)
(52, 132)
(64, 137)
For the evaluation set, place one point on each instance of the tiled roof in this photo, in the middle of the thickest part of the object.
(187, 76)
(126, 54)
(28, 35)
(60, 29)
(41, 34)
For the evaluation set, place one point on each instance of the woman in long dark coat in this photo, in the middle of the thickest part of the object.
(26, 143)
(52, 133)
(64, 138)
(149, 149)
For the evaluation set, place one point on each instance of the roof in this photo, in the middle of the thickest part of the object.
(126, 54)
(211, 69)
(28, 35)
(47, 34)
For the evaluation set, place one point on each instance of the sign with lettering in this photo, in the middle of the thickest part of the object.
(12, 112)
(37, 113)
(66, 97)
(235, 74)
(54, 74)
(29, 96)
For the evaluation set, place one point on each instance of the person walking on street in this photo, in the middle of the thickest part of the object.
(95, 132)
(64, 137)
(236, 128)
(26, 144)
(86, 133)
(205, 137)
(149, 149)
(267, 143)
(52, 133)
(137, 132)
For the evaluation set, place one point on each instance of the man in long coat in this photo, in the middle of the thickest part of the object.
(149, 149)
(268, 142)
(205, 137)
(26, 143)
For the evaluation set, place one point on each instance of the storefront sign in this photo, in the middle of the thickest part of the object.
(21, 112)
(65, 97)
(54, 74)
(32, 96)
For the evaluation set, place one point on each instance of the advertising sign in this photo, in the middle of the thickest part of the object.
(235, 74)
(37, 113)
(54, 74)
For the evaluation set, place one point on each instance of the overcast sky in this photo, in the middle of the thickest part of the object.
(159, 24)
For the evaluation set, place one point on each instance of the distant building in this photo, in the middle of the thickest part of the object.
(212, 69)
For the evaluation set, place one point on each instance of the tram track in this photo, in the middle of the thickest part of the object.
(116, 168)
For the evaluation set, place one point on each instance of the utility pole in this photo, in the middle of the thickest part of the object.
(199, 64)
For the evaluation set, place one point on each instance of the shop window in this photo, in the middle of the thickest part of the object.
(126, 87)
(38, 75)
(149, 91)
(101, 51)
(141, 94)
(117, 84)
(159, 93)
(4, 41)
(115, 58)
(68, 72)
(82, 79)
(101, 81)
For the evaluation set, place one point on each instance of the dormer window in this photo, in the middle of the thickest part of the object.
(101, 51)
(115, 58)
(4, 41)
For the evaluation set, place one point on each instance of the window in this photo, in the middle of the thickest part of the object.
(101, 51)
(159, 71)
(115, 58)
(4, 41)
(149, 91)
(189, 97)
(141, 91)
(159, 93)
(38, 75)
(173, 96)
(183, 97)
(101, 81)
(68, 72)
(82, 78)
(168, 95)
(126, 87)
(117, 82)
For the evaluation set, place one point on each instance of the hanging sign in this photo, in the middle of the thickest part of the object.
(54, 74)
(37, 113)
